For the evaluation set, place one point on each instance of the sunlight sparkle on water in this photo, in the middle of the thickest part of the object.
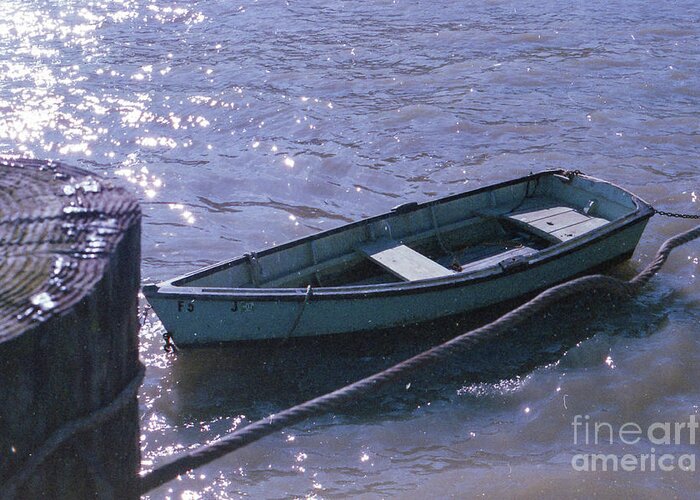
(189, 218)
(150, 183)
(169, 14)
(39, 39)
(609, 361)
(157, 141)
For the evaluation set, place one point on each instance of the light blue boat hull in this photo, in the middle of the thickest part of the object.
(208, 314)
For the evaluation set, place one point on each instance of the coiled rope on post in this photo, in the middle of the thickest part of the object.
(127, 396)
(323, 404)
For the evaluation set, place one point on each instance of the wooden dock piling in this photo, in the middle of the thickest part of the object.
(69, 279)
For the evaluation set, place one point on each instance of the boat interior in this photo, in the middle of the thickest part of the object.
(466, 233)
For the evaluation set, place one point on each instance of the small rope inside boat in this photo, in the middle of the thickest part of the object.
(307, 296)
(323, 404)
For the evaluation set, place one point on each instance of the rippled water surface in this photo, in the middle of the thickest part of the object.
(244, 124)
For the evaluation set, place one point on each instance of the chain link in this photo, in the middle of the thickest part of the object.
(169, 344)
(677, 215)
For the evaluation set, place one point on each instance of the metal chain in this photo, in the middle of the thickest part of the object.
(677, 215)
(169, 345)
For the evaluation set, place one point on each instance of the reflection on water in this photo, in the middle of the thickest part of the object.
(245, 125)
(266, 377)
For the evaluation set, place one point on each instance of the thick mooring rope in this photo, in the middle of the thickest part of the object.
(128, 395)
(323, 404)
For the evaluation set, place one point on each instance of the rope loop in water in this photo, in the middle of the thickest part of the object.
(323, 404)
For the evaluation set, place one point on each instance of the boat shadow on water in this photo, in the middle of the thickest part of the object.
(259, 378)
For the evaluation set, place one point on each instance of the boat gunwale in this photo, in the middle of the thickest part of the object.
(168, 289)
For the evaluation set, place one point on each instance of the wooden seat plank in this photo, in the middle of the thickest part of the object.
(402, 261)
(575, 230)
(534, 215)
(559, 221)
(556, 223)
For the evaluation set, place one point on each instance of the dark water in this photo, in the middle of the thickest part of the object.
(241, 125)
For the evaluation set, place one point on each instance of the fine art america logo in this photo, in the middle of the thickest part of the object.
(658, 434)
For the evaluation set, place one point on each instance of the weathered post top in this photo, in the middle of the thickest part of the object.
(57, 223)
(69, 279)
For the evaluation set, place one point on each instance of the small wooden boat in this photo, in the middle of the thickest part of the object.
(419, 262)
